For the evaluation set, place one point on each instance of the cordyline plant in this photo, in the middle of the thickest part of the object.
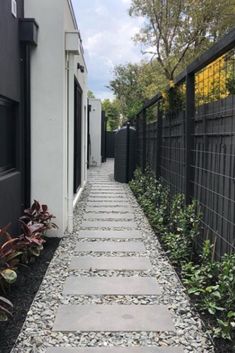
(9, 257)
(15, 250)
(31, 240)
(39, 214)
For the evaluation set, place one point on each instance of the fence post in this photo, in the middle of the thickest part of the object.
(144, 142)
(127, 150)
(159, 140)
(137, 139)
(189, 138)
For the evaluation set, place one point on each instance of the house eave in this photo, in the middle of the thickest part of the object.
(72, 14)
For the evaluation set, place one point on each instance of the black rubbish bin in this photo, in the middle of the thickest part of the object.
(125, 154)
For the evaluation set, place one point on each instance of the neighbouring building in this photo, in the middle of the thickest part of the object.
(95, 132)
(43, 109)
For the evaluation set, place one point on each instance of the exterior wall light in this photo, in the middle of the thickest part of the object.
(80, 67)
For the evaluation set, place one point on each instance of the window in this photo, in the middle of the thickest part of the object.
(7, 136)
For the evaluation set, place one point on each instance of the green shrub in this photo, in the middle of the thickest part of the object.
(153, 198)
(183, 229)
(177, 224)
(211, 283)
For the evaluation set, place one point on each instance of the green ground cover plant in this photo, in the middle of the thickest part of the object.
(210, 283)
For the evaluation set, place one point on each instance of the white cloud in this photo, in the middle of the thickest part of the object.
(107, 32)
(101, 11)
(104, 95)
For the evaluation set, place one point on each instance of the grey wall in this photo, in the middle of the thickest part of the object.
(10, 50)
(11, 185)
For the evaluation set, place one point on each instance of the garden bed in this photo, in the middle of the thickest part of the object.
(210, 283)
(220, 345)
(22, 293)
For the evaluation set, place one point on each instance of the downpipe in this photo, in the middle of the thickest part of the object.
(70, 138)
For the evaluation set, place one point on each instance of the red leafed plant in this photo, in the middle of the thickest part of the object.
(15, 250)
(31, 240)
(9, 258)
(39, 214)
(10, 253)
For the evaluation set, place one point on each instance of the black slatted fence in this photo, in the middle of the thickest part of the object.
(187, 138)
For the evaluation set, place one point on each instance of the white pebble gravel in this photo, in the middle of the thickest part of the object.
(36, 335)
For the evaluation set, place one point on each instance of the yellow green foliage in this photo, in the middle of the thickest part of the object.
(211, 82)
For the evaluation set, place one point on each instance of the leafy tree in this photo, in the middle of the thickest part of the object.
(135, 83)
(175, 31)
(112, 113)
(90, 94)
(126, 88)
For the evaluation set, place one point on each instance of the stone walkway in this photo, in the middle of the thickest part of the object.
(109, 288)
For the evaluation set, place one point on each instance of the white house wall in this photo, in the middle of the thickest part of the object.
(49, 121)
(95, 132)
(47, 107)
(82, 79)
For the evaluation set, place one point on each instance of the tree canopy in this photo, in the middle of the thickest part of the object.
(90, 94)
(175, 31)
(112, 113)
(135, 83)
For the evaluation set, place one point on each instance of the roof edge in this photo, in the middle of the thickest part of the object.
(73, 14)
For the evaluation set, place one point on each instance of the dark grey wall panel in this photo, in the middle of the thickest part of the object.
(12, 90)
(10, 190)
(10, 50)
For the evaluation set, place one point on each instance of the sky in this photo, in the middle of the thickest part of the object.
(107, 30)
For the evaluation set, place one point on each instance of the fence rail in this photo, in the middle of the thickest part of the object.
(188, 139)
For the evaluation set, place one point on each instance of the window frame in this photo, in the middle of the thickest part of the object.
(12, 166)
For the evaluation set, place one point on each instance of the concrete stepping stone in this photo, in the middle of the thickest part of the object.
(106, 216)
(111, 202)
(109, 224)
(106, 192)
(100, 188)
(106, 186)
(119, 195)
(108, 196)
(109, 206)
(97, 182)
(110, 263)
(116, 350)
(111, 246)
(107, 203)
(101, 193)
(112, 210)
(104, 183)
(110, 234)
(113, 318)
(111, 286)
